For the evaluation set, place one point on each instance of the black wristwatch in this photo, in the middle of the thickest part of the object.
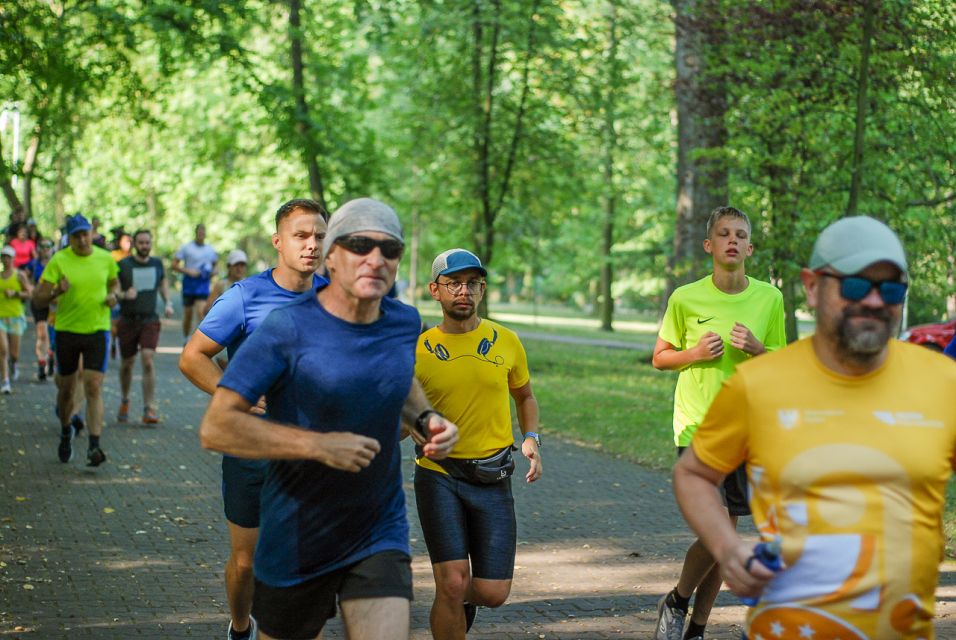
(421, 422)
(533, 434)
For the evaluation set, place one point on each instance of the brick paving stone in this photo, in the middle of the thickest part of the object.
(135, 548)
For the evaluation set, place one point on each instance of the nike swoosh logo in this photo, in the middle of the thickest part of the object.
(703, 320)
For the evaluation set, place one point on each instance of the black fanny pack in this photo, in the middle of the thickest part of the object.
(480, 470)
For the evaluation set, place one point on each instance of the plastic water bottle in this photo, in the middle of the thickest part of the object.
(767, 554)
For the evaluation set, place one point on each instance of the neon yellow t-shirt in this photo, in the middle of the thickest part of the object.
(467, 377)
(699, 307)
(851, 473)
(82, 309)
(10, 307)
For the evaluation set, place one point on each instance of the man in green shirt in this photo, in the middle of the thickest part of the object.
(82, 278)
(710, 327)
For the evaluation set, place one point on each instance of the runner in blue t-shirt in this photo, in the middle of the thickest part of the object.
(337, 371)
(300, 228)
(196, 261)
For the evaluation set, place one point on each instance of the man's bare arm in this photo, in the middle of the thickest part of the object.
(696, 489)
(197, 364)
(228, 427)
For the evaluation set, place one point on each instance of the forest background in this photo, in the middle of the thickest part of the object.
(576, 145)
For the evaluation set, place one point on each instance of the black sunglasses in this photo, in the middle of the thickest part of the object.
(363, 245)
(855, 288)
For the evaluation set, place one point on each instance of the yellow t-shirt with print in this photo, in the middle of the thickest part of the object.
(851, 473)
(467, 377)
(699, 307)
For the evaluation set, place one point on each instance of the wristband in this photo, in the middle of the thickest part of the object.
(532, 434)
(421, 422)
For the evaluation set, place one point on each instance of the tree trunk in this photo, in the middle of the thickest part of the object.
(29, 164)
(610, 188)
(861, 88)
(701, 133)
(310, 149)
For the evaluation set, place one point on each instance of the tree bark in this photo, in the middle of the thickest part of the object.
(310, 150)
(861, 89)
(701, 133)
(29, 164)
(491, 197)
(610, 187)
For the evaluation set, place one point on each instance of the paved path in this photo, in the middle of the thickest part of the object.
(135, 548)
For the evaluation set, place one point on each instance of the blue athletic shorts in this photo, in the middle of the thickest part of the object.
(94, 347)
(242, 481)
(461, 520)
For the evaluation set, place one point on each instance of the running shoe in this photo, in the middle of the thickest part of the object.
(670, 621)
(149, 416)
(77, 422)
(471, 611)
(251, 633)
(65, 450)
(123, 414)
(95, 457)
(5, 388)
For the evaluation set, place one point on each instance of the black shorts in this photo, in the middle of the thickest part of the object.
(242, 482)
(94, 347)
(462, 521)
(300, 611)
(189, 299)
(733, 490)
(39, 315)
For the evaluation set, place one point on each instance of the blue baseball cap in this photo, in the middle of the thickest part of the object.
(77, 223)
(455, 260)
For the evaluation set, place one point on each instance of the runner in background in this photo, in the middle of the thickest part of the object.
(43, 350)
(196, 261)
(14, 289)
(237, 263)
(141, 278)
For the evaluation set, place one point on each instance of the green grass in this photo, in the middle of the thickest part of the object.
(607, 398)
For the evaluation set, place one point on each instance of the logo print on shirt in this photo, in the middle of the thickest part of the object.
(906, 419)
(788, 418)
(441, 352)
(703, 320)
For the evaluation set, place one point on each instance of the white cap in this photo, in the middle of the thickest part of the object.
(236, 256)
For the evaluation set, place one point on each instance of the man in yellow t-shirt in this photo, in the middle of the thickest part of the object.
(83, 279)
(849, 438)
(470, 369)
(711, 326)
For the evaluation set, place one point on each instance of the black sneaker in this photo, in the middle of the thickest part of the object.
(65, 450)
(95, 457)
(77, 422)
(471, 611)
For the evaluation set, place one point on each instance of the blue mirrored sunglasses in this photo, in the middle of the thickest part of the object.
(855, 288)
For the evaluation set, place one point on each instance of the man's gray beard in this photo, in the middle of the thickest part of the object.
(865, 344)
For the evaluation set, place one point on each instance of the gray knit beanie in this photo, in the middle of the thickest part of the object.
(362, 214)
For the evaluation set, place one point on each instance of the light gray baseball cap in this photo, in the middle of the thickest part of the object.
(850, 245)
(362, 214)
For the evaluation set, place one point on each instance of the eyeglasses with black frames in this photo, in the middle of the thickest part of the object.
(363, 245)
(855, 288)
(454, 287)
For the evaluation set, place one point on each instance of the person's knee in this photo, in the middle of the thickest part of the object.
(490, 594)
(453, 585)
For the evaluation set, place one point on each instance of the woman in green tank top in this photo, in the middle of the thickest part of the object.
(14, 289)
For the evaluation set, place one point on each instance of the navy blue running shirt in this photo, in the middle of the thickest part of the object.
(239, 310)
(325, 374)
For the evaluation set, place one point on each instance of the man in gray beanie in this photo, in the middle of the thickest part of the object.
(849, 438)
(337, 371)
